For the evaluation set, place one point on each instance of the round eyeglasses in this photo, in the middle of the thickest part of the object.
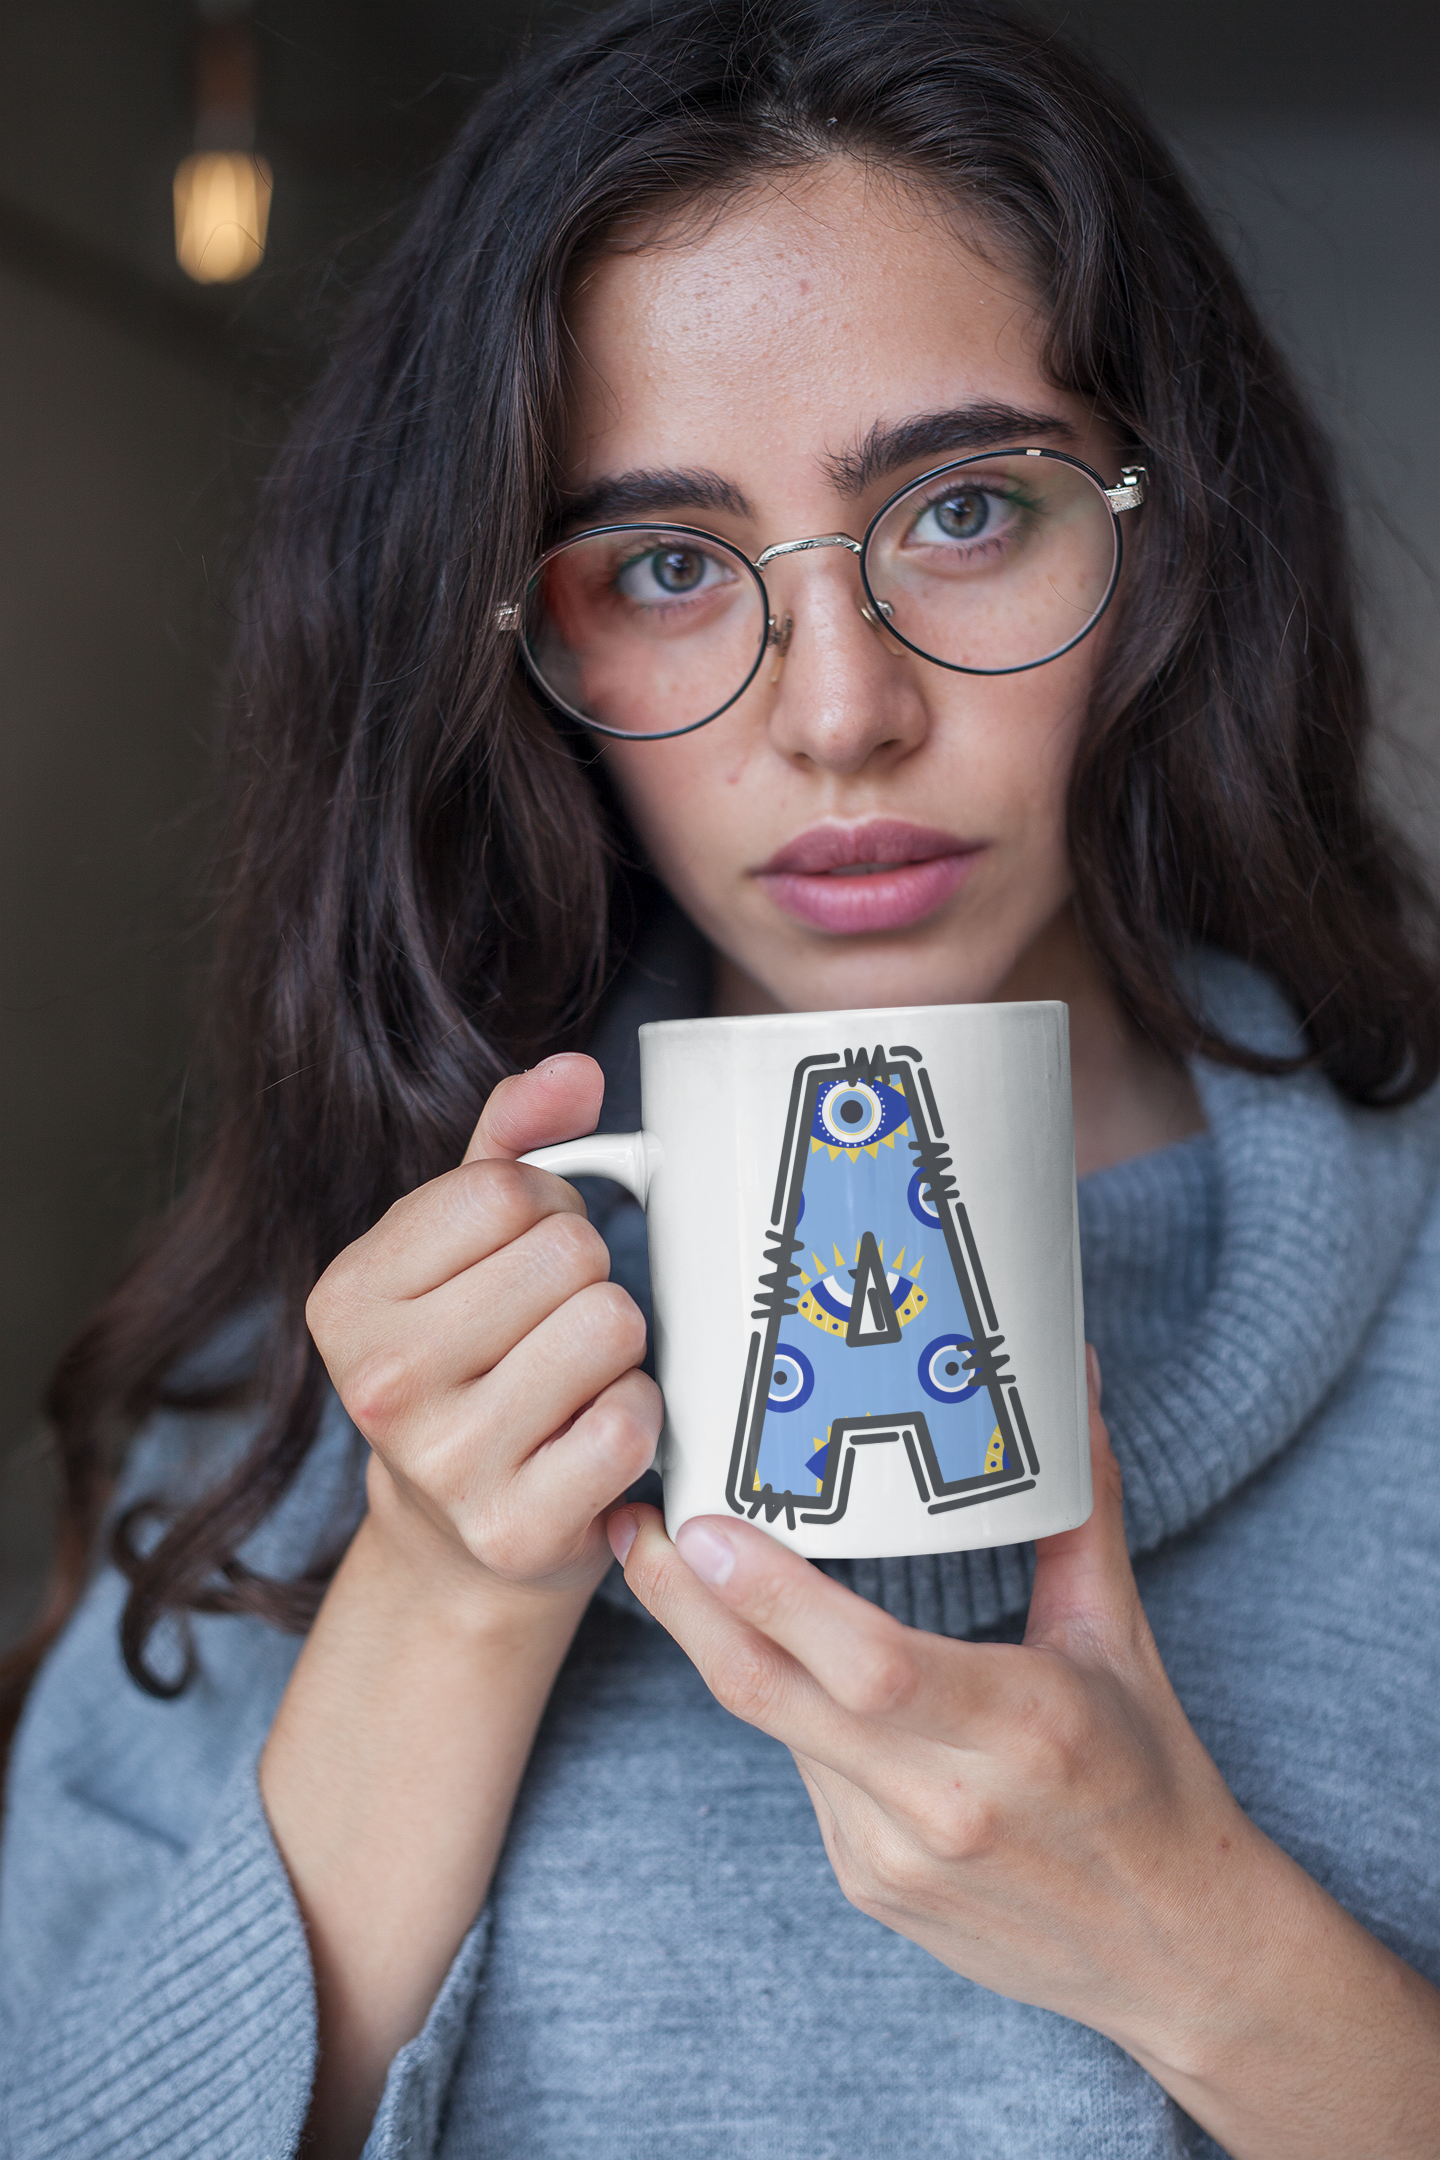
(988, 566)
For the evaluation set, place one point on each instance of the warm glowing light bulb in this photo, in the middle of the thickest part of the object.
(222, 210)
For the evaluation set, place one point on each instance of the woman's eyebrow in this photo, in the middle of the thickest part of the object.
(963, 428)
(619, 496)
(888, 446)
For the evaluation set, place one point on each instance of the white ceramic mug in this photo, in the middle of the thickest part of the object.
(865, 1267)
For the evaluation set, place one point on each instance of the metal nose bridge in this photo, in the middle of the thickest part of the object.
(777, 634)
(798, 547)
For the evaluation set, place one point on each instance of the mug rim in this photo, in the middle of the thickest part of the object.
(864, 1017)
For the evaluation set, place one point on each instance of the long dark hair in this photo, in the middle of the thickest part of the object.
(422, 875)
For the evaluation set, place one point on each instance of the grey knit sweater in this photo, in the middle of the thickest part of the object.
(666, 1966)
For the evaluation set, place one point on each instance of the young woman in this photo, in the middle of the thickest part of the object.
(361, 1798)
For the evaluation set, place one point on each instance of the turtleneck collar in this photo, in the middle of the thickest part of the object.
(1316, 1205)
(1229, 1280)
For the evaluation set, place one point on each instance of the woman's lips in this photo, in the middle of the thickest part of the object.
(883, 875)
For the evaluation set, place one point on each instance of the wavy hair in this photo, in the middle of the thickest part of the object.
(425, 886)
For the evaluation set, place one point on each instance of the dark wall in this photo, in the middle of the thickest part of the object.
(136, 410)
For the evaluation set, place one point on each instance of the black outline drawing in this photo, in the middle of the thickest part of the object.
(777, 1299)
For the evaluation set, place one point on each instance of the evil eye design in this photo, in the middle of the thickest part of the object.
(945, 1369)
(792, 1377)
(922, 1200)
(827, 1304)
(857, 1113)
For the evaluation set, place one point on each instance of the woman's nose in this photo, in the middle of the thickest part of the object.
(844, 694)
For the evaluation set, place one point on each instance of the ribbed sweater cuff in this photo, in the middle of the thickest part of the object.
(412, 2106)
(196, 2037)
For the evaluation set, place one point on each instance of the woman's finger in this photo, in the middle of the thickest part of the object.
(436, 1232)
(455, 1221)
(748, 1672)
(465, 1326)
(409, 1380)
(865, 1660)
(581, 1470)
(565, 1362)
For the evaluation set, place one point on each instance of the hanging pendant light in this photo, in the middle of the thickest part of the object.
(222, 191)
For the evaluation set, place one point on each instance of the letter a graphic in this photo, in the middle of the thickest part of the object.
(865, 1169)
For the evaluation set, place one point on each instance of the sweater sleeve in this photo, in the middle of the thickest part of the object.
(156, 1994)
(411, 2114)
(197, 2034)
(155, 1986)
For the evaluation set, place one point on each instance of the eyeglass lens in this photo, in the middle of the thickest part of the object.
(645, 629)
(996, 564)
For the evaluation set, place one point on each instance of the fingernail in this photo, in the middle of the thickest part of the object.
(707, 1554)
(621, 1530)
(1092, 1367)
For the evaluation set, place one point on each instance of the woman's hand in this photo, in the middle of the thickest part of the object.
(477, 1342)
(1043, 1819)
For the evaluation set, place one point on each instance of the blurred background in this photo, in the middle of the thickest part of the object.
(138, 407)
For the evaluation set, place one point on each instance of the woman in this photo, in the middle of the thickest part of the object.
(730, 277)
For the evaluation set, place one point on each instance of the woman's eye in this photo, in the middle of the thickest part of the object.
(673, 572)
(964, 515)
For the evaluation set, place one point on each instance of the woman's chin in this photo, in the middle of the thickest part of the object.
(834, 974)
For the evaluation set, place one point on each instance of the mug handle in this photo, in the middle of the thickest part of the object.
(631, 1159)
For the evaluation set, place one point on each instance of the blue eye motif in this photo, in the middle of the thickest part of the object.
(852, 1114)
(922, 1200)
(792, 1377)
(945, 1371)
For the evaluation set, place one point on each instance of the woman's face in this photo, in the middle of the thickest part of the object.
(862, 827)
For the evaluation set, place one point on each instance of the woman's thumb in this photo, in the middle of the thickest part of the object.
(557, 1100)
(1084, 1582)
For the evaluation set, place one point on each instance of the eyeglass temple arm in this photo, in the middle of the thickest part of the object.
(1131, 491)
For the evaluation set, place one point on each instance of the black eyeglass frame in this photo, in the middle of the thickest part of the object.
(1127, 496)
